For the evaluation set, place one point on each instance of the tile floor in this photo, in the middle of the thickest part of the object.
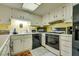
(41, 51)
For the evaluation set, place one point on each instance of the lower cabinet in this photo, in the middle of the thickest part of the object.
(21, 43)
(66, 45)
(17, 46)
(27, 42)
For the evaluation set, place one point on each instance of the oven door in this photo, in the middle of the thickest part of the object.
(52, 41)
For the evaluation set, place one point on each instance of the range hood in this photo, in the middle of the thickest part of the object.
(57, 21)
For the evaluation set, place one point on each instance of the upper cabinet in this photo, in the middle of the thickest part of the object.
(63, 12)
(52, 16)
(68, 10)
(46, 19)
(18, 14)
(59, 13)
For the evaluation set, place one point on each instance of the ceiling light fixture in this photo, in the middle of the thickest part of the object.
(31, 6)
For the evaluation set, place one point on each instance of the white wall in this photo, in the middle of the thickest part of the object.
(6, 13)
(15, 23)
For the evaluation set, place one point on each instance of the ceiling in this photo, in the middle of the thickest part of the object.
(41, 10)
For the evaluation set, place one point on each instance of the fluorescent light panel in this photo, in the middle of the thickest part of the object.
(30, 6)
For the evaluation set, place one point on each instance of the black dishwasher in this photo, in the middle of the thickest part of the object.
(36, 40)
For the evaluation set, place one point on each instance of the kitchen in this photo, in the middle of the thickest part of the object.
(37, 29)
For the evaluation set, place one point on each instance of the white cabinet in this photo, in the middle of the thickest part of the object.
(68, 11)
(56, 14)
(27, 42)
(66, 45)
(21, 43)
(17, 46)
(52, 16)
(46, 19)
(63, 12)
(17, 14)
(59, 13)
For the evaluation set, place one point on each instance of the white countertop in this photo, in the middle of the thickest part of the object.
(26, 33)
(58, 34)
(30, 33)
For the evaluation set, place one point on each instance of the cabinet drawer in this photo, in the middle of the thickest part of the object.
(65, 43)
(67, 38)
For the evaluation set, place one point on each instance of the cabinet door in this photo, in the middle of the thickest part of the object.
(66, 45)
(17, 14)
(59, 13)
(56, 15)
(17, 46)
(27, 42)
(45, 19)
(52, 16)
(68, 12)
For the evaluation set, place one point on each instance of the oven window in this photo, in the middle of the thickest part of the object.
(52, 41)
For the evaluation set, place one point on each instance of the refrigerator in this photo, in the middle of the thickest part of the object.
(75, 33)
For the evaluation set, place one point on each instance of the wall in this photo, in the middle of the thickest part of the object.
(15, 23)
(6, 13)
(4, 26)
